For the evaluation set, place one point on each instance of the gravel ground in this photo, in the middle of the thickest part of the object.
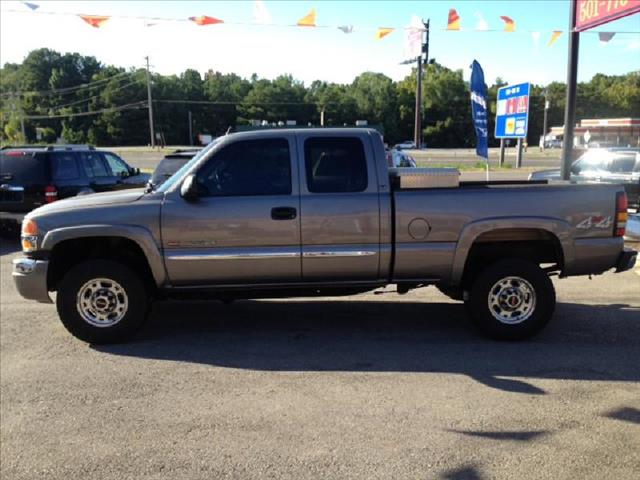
(371, 386)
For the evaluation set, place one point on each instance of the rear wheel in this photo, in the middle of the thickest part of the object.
(511, 300)
(102, 301)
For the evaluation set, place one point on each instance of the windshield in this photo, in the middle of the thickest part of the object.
(178, 175)
(592, 161)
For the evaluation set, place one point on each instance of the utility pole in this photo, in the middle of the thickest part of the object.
(417, 133)
(544, 123)
(150, 105)
(190, 129)
(570, 105)
(322, 116)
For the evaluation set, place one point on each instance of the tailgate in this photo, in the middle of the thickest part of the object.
(22, 181)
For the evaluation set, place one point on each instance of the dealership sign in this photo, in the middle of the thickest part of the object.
(512, 111)
(591, 13)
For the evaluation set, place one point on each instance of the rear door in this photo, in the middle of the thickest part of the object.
(96, 169)
(245, 226)
(340, 207)
(23, 178)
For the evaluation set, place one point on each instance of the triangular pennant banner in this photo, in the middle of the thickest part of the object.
(383, 32)
(605, 37)
(32, 6)
(205, 20)
(309, 20)
(509, 24)
(453, 21)
(536, 39)
(482, 25)
(95, 21)
(260, 13)
(554, 36)
(346, 28)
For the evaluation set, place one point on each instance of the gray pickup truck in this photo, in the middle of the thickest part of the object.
(307, 212)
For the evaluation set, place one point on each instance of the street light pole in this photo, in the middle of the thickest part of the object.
(150, 105)
(417, 133)
(570, 106)
(544, 123)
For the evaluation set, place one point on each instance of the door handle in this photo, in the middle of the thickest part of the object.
(283, 213)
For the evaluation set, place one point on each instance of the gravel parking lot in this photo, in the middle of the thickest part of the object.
(372, 386)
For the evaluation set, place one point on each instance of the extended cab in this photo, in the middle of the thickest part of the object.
(317, 212)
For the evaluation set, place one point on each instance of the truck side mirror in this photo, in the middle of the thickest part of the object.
(189, 189)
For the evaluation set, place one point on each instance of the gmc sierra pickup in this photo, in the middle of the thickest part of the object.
(306, 212)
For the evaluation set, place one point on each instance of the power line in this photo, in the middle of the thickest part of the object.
(129, 106)
(67, 90)
(240, 102)
(121, 87)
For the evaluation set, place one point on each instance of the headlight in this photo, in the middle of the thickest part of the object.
(29, 235)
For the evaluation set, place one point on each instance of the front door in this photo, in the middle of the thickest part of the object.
(340, 208)
(245, 226)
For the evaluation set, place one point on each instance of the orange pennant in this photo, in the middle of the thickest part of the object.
(554, 36)
(453, 23)
(95, 21)
(509, 24)
(205, 20)
(309, 20)
(383, 32)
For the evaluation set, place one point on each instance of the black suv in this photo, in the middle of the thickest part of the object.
(32, 176)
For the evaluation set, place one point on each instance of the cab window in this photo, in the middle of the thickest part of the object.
(117, 165)
(335, 164)
(93, 164)
(250, 167)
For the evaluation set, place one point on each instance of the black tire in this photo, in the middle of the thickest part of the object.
(134, 314)
(534, 310)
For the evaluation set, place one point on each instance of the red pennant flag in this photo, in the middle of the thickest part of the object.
(509, 24)
(453, 22)
(205, 20)
(95, 21)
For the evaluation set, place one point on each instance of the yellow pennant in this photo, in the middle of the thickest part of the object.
(309, 20)
(383, 32)
(453, 22)
(554, 36)
(509, 24)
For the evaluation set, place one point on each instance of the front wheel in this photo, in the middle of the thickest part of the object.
(102, 301)
(511, 300)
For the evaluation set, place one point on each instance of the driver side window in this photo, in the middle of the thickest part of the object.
(250, 167)
(117, 165)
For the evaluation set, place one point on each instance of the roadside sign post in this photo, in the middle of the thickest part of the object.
(512, 116)
(583, 15)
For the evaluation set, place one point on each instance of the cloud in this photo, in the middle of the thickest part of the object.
(633, 45)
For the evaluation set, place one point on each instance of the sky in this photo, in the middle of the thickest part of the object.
(319, 53)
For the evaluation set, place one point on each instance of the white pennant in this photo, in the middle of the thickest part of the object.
(413, 38)
(482, 25)
(261, 15)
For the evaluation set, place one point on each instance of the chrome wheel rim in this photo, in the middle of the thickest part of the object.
(512, 300)
(102, 302)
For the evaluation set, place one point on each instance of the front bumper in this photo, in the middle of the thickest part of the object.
(626, 260)
(30, 279)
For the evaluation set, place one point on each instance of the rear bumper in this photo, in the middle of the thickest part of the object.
(626, 260)
(30, 279)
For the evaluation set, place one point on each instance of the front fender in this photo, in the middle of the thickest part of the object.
(558, 228)
(138, 234)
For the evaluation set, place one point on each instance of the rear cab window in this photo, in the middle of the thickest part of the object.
(335, 165)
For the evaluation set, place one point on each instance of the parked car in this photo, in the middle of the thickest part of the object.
(400, 159)
(170, 164)
(633, 228)
(618, 165)
(34, 176)
(306, 212)
(406, 145)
